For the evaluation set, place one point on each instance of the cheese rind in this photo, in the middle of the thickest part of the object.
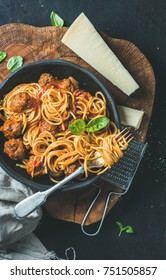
(85, 41)
(130, 117)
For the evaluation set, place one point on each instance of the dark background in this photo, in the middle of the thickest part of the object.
(143, 22)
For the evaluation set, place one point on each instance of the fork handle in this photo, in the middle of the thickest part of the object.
(29, 204)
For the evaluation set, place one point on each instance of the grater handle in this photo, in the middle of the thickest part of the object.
(104, 211)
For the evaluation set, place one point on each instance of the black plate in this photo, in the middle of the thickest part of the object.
(60, 69)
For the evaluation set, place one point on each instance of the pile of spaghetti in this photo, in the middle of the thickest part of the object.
(37, 120)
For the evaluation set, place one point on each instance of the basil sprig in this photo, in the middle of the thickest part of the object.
(14, 62)
(56, 20)
(2, 55)
(127, 229)
(79, 125)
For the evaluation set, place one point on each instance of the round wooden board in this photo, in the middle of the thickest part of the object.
(38, 43)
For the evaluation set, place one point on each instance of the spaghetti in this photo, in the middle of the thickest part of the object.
(36, 122)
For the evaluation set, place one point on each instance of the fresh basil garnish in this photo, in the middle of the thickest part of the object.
(14, 62)
(127, 229)
(77, 127)
(56, 20)
(2, 55)
(97, 124)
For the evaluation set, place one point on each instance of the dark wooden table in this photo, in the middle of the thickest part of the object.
(144, 207)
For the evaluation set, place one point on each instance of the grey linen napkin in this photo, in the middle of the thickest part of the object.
(17, 240)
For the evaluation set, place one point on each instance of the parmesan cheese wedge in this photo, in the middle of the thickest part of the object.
(130, 117)
(85, 41)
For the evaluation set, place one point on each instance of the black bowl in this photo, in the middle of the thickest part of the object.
(60, 69)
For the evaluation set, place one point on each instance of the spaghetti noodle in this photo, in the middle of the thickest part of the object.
(39, 115)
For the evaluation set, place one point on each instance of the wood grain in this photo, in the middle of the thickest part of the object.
(38, 43)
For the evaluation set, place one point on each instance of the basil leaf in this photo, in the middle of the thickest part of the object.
(14, 62)
(129, 229)
(97, 124)
(77, 127)
(119, 225)
(2, 55)
(56, 20)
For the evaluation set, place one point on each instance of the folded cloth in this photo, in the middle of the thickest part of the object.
(17, 240)
(27, 248)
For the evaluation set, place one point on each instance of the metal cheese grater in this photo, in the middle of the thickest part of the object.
(120, 175)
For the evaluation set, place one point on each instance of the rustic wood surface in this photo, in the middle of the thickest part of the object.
(38, 43)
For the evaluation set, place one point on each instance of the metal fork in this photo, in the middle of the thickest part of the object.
(29, 204)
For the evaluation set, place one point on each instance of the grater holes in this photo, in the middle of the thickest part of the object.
(121, 174)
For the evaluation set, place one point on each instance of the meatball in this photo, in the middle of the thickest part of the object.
(15, 148)
(45, 126)
(35, 166)
(22, 101)
(12, 129)
(69, 84)
(45, 79)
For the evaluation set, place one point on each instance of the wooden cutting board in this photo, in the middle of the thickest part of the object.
(38, 43)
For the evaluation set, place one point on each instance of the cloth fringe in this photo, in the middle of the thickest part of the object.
(17, 240)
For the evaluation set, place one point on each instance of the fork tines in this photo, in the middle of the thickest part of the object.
(125, 134)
